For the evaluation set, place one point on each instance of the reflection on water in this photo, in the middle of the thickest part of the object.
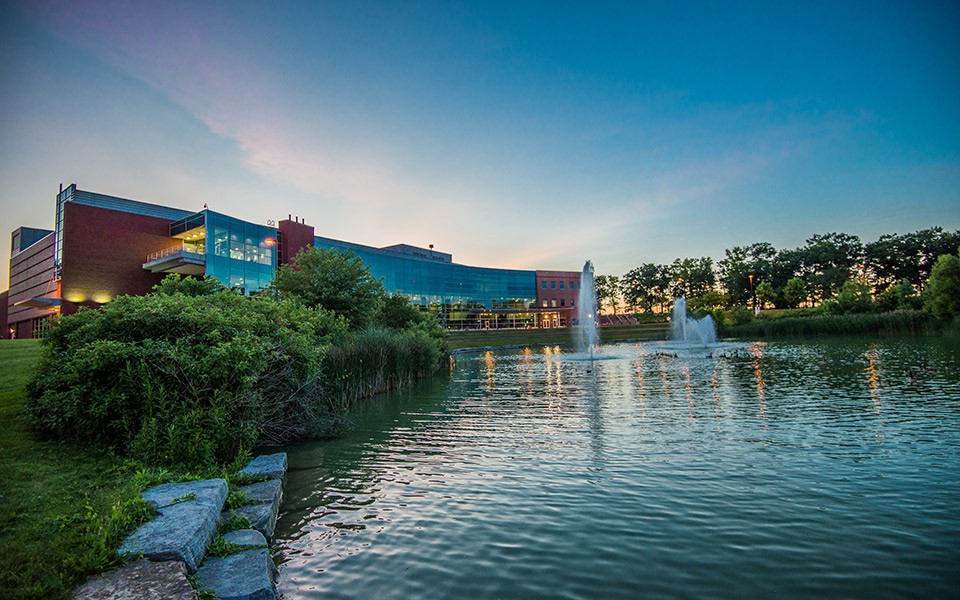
(793, 470)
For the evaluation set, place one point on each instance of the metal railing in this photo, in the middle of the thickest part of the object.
(171, 251)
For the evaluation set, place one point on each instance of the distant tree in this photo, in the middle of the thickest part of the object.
(794, 292)
(853, 297)
(893, 258)
(899, 296)
(743, 268)
(645, 286)
(765, 294)
(335, 280)
(691, 277)
(608, 292)
(941, 297)
(828, 261)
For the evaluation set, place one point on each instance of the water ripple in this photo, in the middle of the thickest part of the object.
(793, 470)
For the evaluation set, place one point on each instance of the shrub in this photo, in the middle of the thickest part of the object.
(941, 297)
(900, 296)
(175, 378)
(737, 315)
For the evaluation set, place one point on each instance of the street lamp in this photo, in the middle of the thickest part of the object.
(752, 296)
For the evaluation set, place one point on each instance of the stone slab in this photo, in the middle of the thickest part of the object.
(269, 465)
(183, 529)
(263, 513)
(245, 537)
(139, 580)
(213, 491)
(243, 576)
(264, 491)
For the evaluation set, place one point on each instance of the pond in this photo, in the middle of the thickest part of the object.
(792, 469)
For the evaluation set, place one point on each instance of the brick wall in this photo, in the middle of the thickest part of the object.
(103, 254)
(31, 276)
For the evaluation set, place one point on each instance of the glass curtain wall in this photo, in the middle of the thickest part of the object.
(240, 254)
(463, 297)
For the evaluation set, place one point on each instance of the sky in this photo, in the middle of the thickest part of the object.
(529, 135)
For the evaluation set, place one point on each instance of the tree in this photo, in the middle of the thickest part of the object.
(744, 268)
(691, 277)
(794, 292)
(893, 258)
(941, 297)
(645, 286)
(853, 297)
(765, 293)
(608, 291)
(900, 296)
(332, 279)
(828, 259)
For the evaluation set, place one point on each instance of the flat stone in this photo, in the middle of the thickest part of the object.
(183, 529)
(208, 490)
(264, 491)
(262, 517)
(139, 580)
(263, 513)
(245, 537)
(243, 576)
(269, 465)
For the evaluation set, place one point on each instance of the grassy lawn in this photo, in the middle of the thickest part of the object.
(50, 495)
(457, 340)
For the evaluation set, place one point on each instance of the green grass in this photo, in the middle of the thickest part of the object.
(61, 507)
(458, 340)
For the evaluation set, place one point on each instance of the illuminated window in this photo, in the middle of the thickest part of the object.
(553, 303)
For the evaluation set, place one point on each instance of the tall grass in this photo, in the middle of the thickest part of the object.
(891, 323)
(375, 360)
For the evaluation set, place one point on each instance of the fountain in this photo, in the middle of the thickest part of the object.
(686, 329)
(586, 333)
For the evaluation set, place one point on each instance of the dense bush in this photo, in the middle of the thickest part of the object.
(183, 379)
(897, 322)
(195, 374)
(941, 297)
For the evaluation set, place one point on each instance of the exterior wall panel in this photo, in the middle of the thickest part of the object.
(104, 251)
(31, 276)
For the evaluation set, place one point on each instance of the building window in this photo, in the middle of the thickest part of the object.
(563, 302)
(571, 304)
(571, 285)
(553, 303)
(553, 285)
(543, 284)
(561, 285)
(544, 303)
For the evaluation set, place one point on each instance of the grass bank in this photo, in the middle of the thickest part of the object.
(50, 495)
(459, 340)
(905, 322)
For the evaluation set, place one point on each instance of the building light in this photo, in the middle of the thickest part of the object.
(269, 241)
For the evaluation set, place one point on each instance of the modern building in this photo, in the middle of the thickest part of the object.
(103, 247)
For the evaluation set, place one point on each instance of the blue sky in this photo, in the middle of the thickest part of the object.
(524, 135)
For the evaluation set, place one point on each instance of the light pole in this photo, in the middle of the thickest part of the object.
(753, 297)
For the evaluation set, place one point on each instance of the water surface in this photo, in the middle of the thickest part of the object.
(781, 469)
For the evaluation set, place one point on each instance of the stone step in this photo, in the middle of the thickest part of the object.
(188, 519)
(246, 575)
(268, 465)
(139, 580)
(262, 513)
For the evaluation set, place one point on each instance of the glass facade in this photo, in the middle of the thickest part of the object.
(240, 254)
(463, 296)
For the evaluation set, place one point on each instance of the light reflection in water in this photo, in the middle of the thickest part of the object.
(756, 350)
(873, 377)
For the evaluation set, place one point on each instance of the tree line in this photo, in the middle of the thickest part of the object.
(892, 270)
